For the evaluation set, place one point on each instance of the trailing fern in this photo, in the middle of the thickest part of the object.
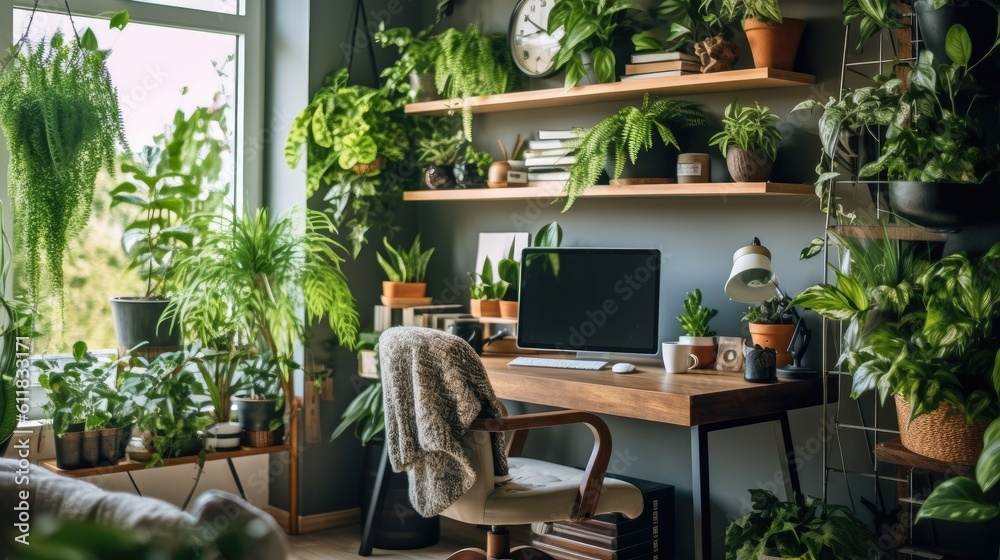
(60, 115)
(628, 132)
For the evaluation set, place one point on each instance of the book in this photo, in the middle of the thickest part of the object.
(551, 160)
(657, 517)
(666, 74)
(557, 134)
(548, 152)
(418, 316)
(649, 67)
(569, 531)
(560, 175)
(644, 551)
(640, 58)
(552, 144)
(386, 318)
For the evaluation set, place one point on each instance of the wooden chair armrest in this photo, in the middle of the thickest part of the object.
(597, 466)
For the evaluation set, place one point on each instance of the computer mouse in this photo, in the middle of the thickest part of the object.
(623, 367)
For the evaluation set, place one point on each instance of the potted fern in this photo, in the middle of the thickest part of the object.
(694, 322)
(405, 270)
(772, 325)
(60, 116)
(617, 142)
(485, 292)
(749, 141)
(773, 40)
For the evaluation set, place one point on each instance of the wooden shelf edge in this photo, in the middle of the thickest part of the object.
(896, 233)
(752, 78)
(604, 191)
(126, 466)
(893, 452)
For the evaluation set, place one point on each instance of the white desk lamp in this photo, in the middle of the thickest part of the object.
(752, 281)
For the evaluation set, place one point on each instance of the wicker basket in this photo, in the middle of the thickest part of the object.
(258, 439)
(941, 435)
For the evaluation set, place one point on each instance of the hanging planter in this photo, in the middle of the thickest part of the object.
(944, 207)
(60, 115)
(979, 19)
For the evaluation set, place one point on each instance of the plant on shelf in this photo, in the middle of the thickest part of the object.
(260, 404)
(439, 151)
(471, 63)
(749, 141)
(16, 320)
(411, 76)
(963, 498)
(585, 27)
(220, 365)
(806, 529)
(919, 329)
(694, 322)
(773, 40)
(509, 268)
(485, 292)
(354, 141)
(766, 11)
(257, 277)
(619, 140)
(693, 26)
(473, 168)
(59, 113)
(405, 270)
(873, 17)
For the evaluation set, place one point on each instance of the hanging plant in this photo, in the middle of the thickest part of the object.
(59, 112)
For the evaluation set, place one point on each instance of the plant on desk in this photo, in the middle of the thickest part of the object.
(509, 269)
(486, 293)
(772, 325)
(805, 529)
(694, 322)
(405, 270)
(616, 143)
(749, 141)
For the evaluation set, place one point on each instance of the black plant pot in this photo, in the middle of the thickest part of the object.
(111, 451)
(69, 451)
(256, 415)
(944, 207)
(467, 177)
(659, 162)
(398, 526)
(979, 19)
(138, 320)
(439, 177)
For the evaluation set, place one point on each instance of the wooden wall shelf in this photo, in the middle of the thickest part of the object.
(894, 453)
(637, 191)
(896, 233)
(127, 466)
(733, 80)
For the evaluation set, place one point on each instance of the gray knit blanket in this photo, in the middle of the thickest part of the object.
(434, 387)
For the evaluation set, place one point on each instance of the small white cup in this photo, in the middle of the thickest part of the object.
(677, 357)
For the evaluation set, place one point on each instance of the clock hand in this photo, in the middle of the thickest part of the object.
(540, 29)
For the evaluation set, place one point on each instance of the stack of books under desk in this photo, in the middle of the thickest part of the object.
(549, 158)
(612, 536)
(659, 65)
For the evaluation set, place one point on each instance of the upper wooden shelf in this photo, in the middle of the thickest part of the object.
(896, 233)
(753, 78)
(636, 191)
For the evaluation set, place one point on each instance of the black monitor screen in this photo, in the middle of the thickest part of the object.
(590, 300)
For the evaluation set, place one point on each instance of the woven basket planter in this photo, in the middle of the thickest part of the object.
(259, 438)
(941, 435)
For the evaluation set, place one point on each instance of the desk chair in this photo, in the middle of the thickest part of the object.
(423, 361)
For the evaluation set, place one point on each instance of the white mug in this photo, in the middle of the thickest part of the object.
(677, 357)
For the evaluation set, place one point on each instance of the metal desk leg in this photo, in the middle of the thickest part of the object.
(236, 479)
(791, 468)
(134, 485)
(378, 500)
(700, 494)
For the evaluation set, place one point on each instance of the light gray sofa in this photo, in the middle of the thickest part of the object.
(149, 519)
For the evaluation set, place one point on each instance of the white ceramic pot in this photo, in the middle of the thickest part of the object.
(224, 435)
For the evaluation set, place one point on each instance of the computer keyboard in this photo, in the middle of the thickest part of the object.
(593, 365)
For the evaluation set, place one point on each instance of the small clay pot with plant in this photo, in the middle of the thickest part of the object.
(485, 293)
(772, 325)
(405, 270)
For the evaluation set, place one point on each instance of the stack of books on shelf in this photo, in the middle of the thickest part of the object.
(548, 159)
(660, 65)
(612, 536)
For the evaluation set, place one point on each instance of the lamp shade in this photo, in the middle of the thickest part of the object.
(751, 280)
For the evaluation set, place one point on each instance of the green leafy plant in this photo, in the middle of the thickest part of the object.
(15, 321)
(585, 26)
(749, 128)
(774, 311)
(807, 529)
(417, 54)
(404, 265)
(962, 498)
(689, 21)
(366, 413)
(220, 368)
(440, 148)
(480, 161)
(931, 139)
(917, 325)
(874, 16)
(767, 11)
(509, 268)
(471, 63)
(695, 318)
(255, 277)
(175, 188)
(353, 138)
(484, 287)
(60, 115)
(624, 135)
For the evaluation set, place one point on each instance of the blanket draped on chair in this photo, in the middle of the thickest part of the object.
(434, 387)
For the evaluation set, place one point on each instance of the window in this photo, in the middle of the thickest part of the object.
(170, 57)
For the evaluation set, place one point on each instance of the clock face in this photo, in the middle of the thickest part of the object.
(531, 46)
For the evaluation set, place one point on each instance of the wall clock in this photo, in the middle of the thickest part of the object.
(531, 46)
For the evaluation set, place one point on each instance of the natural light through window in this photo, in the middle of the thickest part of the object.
(157, 71)
(218, 6)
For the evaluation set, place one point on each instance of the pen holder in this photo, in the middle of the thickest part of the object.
(761, 365)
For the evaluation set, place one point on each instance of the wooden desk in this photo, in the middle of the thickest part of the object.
(128, 467)
(704, 400)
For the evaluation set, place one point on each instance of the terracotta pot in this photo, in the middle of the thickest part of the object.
(941, 434)
(704, 348)
(497, 177)
(484, 307)
(404, 289)
(748, 167)
(369, 168)
(508, 309)
(774, 336)
(774, 45)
